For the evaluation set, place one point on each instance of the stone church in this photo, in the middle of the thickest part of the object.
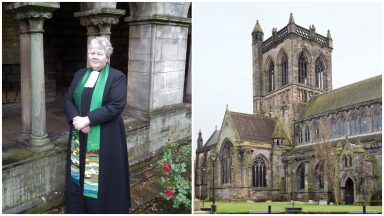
(299, 126)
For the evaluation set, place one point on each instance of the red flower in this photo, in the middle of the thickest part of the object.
(167, 167)
(169, 192)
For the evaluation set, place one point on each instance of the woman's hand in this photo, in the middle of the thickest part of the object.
(86, 129)
(81, 122)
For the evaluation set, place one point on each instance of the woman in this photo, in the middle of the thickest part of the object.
(97, 179)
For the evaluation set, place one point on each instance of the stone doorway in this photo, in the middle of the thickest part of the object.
(349, 192)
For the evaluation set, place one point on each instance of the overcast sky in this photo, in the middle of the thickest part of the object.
(222, 52)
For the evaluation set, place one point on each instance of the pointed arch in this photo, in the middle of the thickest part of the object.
(282, 64)
(269, 74)
(307, 134)
(226, 161)
(376, 118)
(334, 127)
(354, 123)
(364, 120)
(299, 133)
(321, 72)
(315, 130)
(259, 171)
(342, 124)
(300, 176)
(303, 67)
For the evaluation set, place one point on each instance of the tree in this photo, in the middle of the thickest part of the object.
(326, 152)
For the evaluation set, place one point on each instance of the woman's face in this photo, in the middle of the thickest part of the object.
(97, 58)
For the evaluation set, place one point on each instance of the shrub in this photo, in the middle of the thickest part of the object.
(173, 167)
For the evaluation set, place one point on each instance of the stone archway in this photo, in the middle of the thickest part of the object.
(349, 192)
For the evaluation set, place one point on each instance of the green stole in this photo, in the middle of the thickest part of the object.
(91, 172)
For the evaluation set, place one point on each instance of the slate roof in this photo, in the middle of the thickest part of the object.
(360, 92)
(213, 138)
(253, 127)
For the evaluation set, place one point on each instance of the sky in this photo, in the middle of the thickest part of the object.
(222, 51)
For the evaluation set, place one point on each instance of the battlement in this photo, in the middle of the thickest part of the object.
(309, 34)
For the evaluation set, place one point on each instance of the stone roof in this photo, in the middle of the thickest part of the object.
(253, 127)
(356, 93)
(257, 27)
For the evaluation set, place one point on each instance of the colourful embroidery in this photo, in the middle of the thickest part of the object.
(91, 172)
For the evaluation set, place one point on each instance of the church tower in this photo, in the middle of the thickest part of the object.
(289, 68)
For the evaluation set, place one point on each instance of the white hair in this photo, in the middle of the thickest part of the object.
(103, 43)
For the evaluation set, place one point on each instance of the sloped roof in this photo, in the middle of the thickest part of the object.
(213, 138)
(279, 131)
(363, 91)
(253, 127)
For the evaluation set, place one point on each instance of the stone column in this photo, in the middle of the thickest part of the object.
(25, 79)
(98, 19)
(39, 137)
(156, 64)
(32, 15)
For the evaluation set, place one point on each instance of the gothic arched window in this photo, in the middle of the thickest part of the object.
(316, 130)
(303, 65)
(364, 119)
(299, 135)
(226, 162)
(355, 127)
(271, 77)
(306, 134)
(376, 120)
(334, 128)
(342, 126)
(284, 70)
(301, 177)
(319, 72)
(259, 172)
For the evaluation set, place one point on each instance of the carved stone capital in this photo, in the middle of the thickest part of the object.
(94, 21)
(33, 15)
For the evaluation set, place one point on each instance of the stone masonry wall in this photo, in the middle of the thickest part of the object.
(33, 181)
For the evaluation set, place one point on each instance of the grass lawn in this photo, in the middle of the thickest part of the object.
(232, 207)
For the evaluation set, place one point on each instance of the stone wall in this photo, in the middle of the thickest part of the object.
(168, 124)
(34, 181)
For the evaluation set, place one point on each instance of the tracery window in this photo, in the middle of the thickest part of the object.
(355, 127)
(342, 126)
(306, 134)
(303, 65)
(299, 136)
(226, 162)
(284, 70)
(364, 119)
(317, 131)
(377, 120)
(319, 72)
(334, 128)
(259, 172)
(271, 77)
(301, 177)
